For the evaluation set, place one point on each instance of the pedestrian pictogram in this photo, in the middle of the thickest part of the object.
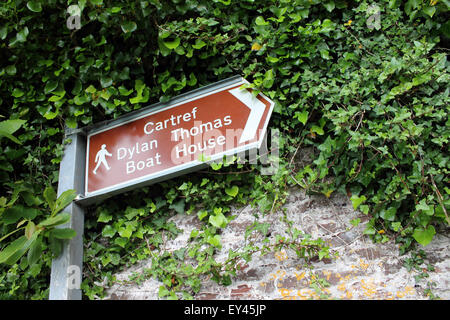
(101, 158)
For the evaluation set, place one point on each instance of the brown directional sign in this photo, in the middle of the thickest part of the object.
(175, 138)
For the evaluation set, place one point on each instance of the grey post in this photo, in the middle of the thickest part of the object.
(63, 285)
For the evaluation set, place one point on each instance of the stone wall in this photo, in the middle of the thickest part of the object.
(362, 269)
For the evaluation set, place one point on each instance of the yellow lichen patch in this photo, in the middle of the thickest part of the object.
(389, 296)
(284, 292)
(369, 288)
(299, 276)
(410, 290)
(281, 274)
(300, 295)
(348, 295)
(355, 283)
(326, 274)
(281, 255)
(363, 265)
(347, 277)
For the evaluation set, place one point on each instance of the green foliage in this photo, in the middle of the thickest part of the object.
(37, 237)
(363, 84)
(34, 233)
(387, 126)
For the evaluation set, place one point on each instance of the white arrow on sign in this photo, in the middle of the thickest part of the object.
(256, 112)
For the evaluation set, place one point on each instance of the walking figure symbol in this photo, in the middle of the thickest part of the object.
(100, 158)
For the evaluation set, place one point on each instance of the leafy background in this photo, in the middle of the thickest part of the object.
(370, 97)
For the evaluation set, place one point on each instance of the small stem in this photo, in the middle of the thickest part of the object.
(439, 196)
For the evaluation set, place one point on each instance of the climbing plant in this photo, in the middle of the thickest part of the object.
(363, 84)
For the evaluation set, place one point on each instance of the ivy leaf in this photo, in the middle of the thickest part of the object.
(126, 232)
(329, 6)
(364, 208)
(104, 216)
(34, 6)
(124, 92)
(370, 230)
(424, 236)
(163, 292)
(201, 214)
(172, 44)
(215, 241)
(260, 21)
(130, 212)
(216, 166)
(396, 226)
(192, 80)
(17, 93)
(256, 47)
(328, 192)
(139, 86)
(218, 220)
(11, 70)
(128, 26)
(50, 86)
(108, 231)
(323, 253)
(22, 35)
(302, 116)
(356, 201)
(429, 11)
(233, 191)
(106, 81)
(422, 205)
(178, 206)
(199, 44)
(268, 79)
(355, 221)
(3, 34)
(388, 214)
(90, 89)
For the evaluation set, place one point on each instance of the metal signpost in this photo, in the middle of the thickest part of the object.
(150, 145)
